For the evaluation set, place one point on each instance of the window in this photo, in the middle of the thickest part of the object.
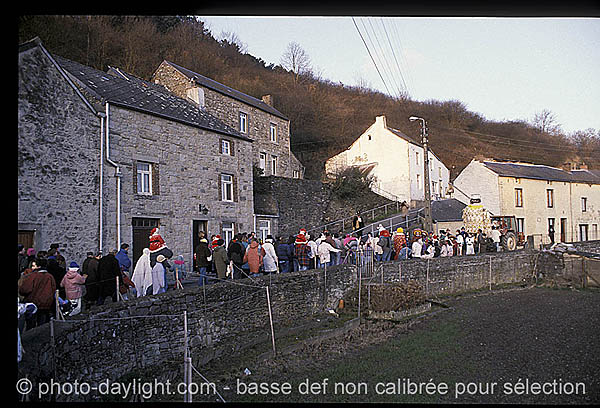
(226, 147)
(264, 229)
(273, 165)
(518, 197)
(521, 225)
(296, 174)
(551, 224)
(517, 181)
(583, 232)
(273, 132)
(243, 122)
(226, 187)
(228, 232)
(439, 172)
(417, 158)
(262, 161)
(419, 181)
(144, 178)
(583, 204)
(550, 198)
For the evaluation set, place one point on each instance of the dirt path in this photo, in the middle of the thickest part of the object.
(523, 346)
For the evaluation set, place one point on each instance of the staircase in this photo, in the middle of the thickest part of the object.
(389, 215)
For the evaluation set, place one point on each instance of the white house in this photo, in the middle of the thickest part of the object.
(397, 162)
(537, 195)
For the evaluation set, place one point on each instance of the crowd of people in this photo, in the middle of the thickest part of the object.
(44, 273)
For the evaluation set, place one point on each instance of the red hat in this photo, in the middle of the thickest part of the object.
(300, 239)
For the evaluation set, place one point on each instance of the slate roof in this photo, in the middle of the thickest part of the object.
(134, 93)
(225, 90)
(447, 210)
(403, 136)
(542, 172)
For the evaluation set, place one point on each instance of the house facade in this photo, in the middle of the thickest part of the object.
(254, 118)
(397, 162)
(537, 195)
(106, 157)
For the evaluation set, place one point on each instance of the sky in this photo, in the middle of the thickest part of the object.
(502, 68)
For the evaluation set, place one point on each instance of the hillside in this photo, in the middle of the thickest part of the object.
(325, 116)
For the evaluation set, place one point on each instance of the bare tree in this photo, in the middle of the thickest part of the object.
(545, 122)
(296, 60)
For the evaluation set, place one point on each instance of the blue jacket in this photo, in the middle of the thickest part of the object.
(124, 261)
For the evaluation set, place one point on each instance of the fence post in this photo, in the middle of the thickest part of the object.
(359, 285)
(271, 320)
(427, 279)
(185, 357)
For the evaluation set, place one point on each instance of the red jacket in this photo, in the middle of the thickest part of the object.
(38, 288)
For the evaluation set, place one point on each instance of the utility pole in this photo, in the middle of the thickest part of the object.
(425, 141)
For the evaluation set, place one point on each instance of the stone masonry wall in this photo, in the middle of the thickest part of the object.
(189, 170)
(224, 319)
(227, 109)
(58, 157)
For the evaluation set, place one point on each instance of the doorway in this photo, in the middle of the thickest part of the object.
(197, 226)
(26, 239)
(142, 227)
(563, 230)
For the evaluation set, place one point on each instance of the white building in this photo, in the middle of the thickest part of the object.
(397, 162)
(537, 195)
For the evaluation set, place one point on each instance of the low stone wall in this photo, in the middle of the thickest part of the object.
(227, 318)
(222, 320)
(440, 276)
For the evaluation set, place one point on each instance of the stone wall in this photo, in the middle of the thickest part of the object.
(228, 109)
(188, 168)
(308, 204)
(223, 320)
(57, 159)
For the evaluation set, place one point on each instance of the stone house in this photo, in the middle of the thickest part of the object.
(103, 157)
(537, 195)
(254, 118)
(397, 162)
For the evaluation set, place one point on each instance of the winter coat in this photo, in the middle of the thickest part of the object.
(253, 257)
(235, 252)
(221, 261)
(92, 286)
(417, 247)
(285, 252)
(270, 259)
(124, 260)
(108, 271)
(38, 288)
(58, 273)
(73, 283)
(202, 253)
(324, 252)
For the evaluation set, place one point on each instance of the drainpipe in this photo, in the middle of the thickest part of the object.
(118, 175)
(101, 235)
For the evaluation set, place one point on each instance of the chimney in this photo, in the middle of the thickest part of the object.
(268, 99)
(381, 119)
(196, 94)
(567, 166)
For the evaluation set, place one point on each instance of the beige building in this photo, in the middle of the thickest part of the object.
(396, 160)
(538, 196)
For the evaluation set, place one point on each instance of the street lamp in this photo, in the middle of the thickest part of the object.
(428, 222)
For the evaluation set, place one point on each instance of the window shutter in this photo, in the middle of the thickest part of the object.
(235, 188)
(220, 188)
(220, 146)
(135, 190)
(232, 148)
(155, 179)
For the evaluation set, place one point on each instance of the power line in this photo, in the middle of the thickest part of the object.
(374, 63)
(394, 54)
